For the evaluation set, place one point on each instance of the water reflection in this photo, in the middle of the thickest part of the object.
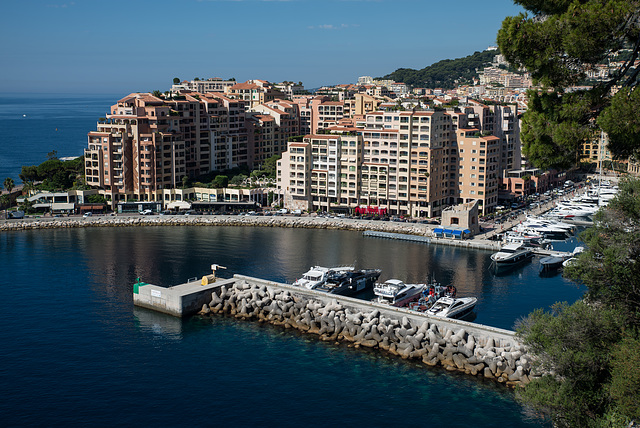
(166, 256)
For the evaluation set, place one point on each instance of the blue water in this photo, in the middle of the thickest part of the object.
(76, 352)
(31, 126)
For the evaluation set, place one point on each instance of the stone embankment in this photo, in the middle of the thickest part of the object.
(456, 346)
(219, 220)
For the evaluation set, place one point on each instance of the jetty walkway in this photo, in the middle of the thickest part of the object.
(455, 345)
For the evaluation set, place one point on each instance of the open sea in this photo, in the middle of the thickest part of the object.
(75, 351)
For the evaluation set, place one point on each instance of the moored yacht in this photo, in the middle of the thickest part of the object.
(318, 275)
(451, 307)
(348, 283)
(511, 254)
(394, 292)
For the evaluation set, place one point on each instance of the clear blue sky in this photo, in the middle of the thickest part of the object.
(116, 46)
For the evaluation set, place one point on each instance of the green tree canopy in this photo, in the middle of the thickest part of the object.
(589, 352)
(220, 181)
(9, 184)
(559, 43)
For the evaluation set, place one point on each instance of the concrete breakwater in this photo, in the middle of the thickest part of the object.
(455, 345)
(218, 220)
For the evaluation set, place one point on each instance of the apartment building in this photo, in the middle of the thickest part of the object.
(290, 89)
(294, 176)
(305, 112)
(146, 144)
(271, 126)
(223, 120)
(479, 171)
(325, 113)
(398, 162)
(360, 104)
(254, 92)
(137, 149)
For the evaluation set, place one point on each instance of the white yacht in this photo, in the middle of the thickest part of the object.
(318, 275)
(511, 254)
(394, 292)
(450, 307)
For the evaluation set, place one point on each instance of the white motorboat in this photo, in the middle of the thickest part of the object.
(349, 282)
(511, 254)
(548, 232)
(526, 238)
(318, 275)
(574, 256)
(450, 307)
(394, 292)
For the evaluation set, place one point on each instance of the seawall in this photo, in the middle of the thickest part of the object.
(310, 222)
(455, 345)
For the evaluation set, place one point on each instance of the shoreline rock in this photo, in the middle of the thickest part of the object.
(427, 341)
(257, 221)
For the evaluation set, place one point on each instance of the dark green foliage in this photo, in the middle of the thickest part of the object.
(621, 121)
(610, 268)
(558, 45)
(624, 387)
(446, 74)
(573, 342)
(220, 181)
(554, 128)
(237, 180)
(9, 184)
(590, 351)
(96, 199)
(53, 174)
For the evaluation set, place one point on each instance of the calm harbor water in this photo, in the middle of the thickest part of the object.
(76, 351)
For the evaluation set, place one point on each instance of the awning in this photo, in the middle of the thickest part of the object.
(457, 232)
(448, 231)
(179, 205)
(466, 231)
(438, 230)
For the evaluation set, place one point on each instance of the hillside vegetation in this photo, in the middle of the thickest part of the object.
(446, 74)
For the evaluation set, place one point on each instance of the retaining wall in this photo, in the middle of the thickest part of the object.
(455, 345)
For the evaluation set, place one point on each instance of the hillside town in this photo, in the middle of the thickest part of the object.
(374, 146)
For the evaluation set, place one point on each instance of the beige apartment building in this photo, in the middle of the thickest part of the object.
(325, 113)
(294, 176)
(254, 92)
(412, 163)
(146, 144)
(478, 169)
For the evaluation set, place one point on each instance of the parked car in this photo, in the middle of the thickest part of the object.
(146, 212)
(87, 214)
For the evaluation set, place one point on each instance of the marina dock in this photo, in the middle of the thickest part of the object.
(180, 301)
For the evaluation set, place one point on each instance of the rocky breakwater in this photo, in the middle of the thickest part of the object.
(310, 222)
(426, 339)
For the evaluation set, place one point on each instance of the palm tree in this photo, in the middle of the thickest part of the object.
(5, 202)
(9, 184)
